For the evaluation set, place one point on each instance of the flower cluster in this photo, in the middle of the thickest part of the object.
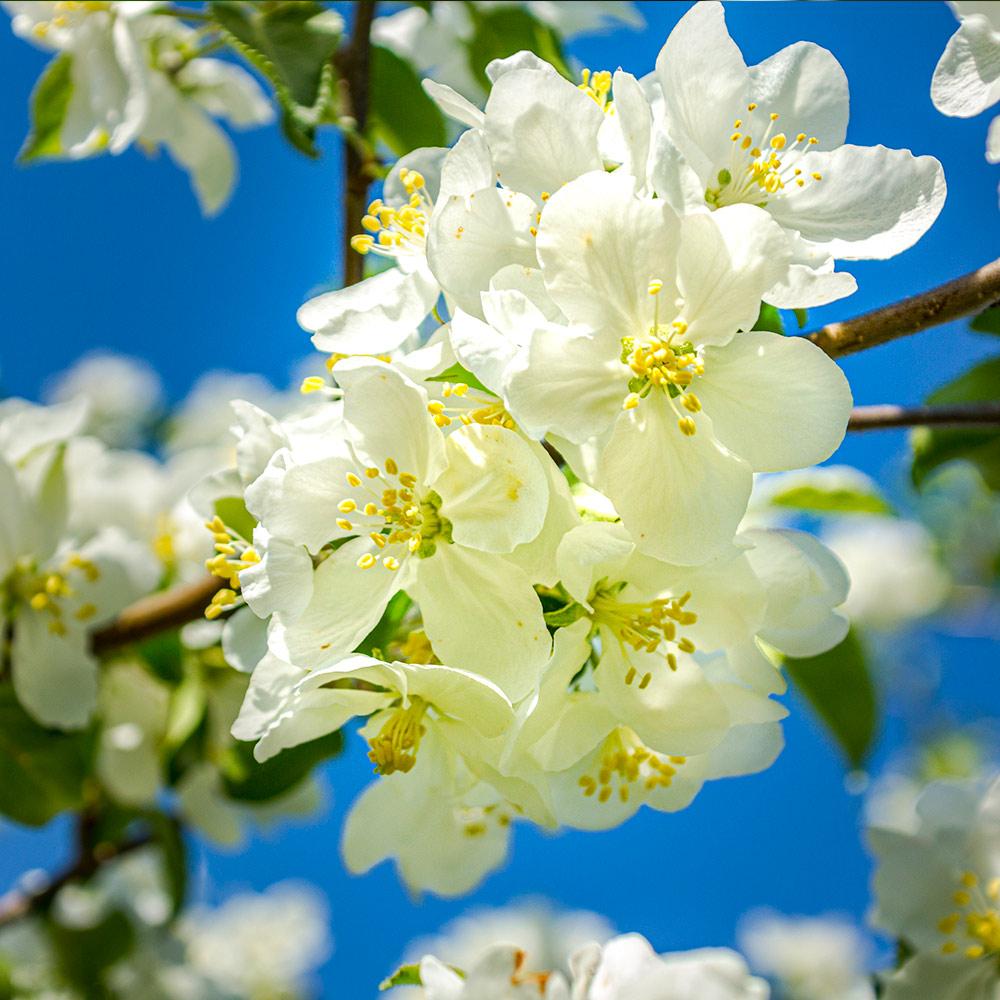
(515, 546)
(126, 74)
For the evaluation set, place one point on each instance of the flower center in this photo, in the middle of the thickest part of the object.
(475, 820)
(48, 592)
(760, 166)
(974, 927)
(232, 555)
(597, 86)
(662, 361)
(625, 761)
(393, 232)
(385, 505)
(67, 13)
(469, 407)
(395, 747)
(645, 627)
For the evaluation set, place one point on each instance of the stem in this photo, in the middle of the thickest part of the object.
(18, 904)
(354, 64)
(873, 418)
(157, 613)
(971, 293)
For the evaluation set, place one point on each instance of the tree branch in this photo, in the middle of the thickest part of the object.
(157, 613)
(354, 64)
(21, 903)
(971, 293)
(873, 418)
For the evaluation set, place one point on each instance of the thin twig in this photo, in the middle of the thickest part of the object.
(971, 293)
(873, 418)
(157, 613)
(20, 903)
(354, 65)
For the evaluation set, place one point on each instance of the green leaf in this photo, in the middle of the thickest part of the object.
(801, 317)
(820, 499)
(935, 446)
(402, 115)
(235, 515)
(247, 780)
(383, 633)
(291, 44)
(167, 835)
(85, 954)
(456, 373)
(987, 322)
(839, 687)
(405, 975)
(507, 29)
(42, 771)
(769, 319)
(187, 708)
(164, 654)
(49, 103)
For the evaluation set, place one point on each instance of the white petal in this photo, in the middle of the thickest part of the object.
(374, 316)
(681, 498)
(481, 348)
(244, 640)
(871, 203)
(55, 677)
(282, 581)
(807, 87)
(472, 238)
(635, 122)
(453, 104)
(494, 490)
(481, 614)
(805, 287)
(967, 77)
(777, 402)
(590, 552)
(387, 417)
(468, 167)
(705, 84)
(993, 141)
(569, 381)
(600, 246)
(727, 261)
(346, 604)
(461, 695)
(541, 130)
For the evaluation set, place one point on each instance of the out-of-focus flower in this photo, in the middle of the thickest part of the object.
(811, 958)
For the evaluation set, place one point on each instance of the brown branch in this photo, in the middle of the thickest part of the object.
(354, 65)
(157, 613)
(872, 418)
(20, 903)
(971, 293)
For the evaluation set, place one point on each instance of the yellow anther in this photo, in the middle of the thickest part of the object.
(774, 116)
(435, 407)
(391, 467)
(251, 555)
(366, 561)
(975, 951)
(85, 612)
(631, 401)
(947, 925)
(372, 472)
(362, 244)
(391, 563)
(344, 524)
(691, 402)
(949, 948)
(39, 601)
(655, 286)
(746, 143)
(347, 506)
(969, 880)
(778, 142)
(752, 106)
(817, 177)
(801, 137)
(738, 123)
(371, 223)
(961, 898)
(687, 426)
(353, 480)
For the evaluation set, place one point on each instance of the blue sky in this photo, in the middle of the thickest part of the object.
(113, 253)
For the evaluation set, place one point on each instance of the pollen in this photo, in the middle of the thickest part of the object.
(395, 747)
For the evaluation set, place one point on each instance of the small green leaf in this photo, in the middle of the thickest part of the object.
(505, 29)
(49, 104)
(562, 617)
(247, 780)
(383, 633)
(300, 38)
(235, 515)
(402, 115)
(935, 446)
(456, 373)
(405, 975)
(769, 319)
(801, 317)
(85, 954)
(839, 687)
(820, 499)
(987, 322)
(42, 771)
(169, 839)
(164, 654)
(187, 708)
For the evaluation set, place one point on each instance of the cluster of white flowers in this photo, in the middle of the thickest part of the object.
(544, 651)
(128, 75)
(212, 953)
(937, 889)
